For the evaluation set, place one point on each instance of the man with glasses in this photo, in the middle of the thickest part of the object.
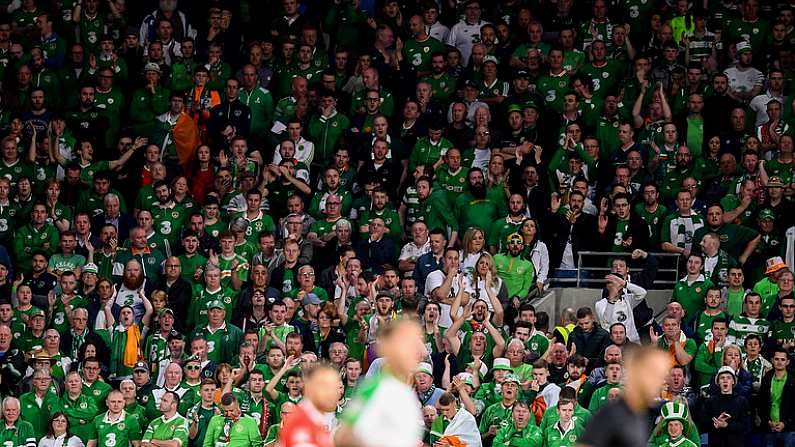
(306, 285)
(40, 402)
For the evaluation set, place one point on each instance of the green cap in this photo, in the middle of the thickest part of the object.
(36, 312)
(766, 213)
(514, 108)
(215, 304)
(512, 378)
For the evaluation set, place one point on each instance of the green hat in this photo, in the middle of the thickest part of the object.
(514, 108)
(91, 268)
(743, 47)
(467, 378)
(36, 312)
(512, 378)
(425, 367)
(502, 364)
(766, 213)
(215, 304)
(674, 411)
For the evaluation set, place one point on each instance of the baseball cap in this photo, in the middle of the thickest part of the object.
(215, 304)
(512, 378)
(425, 367)
(743, 47)
(514, 108)
(151, 66)
(36, 312)
(466, 378)
(91, 268)
(491, 59)
(175, 335)
(766, 213)
(141, 366)
(311, 298)
(521, 74)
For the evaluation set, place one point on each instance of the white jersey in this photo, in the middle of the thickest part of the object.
(385, 412)
(743, 81)
(434, 280)
(621, 311)
(464, 36)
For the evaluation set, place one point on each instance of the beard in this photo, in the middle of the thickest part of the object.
(478, 191)
(132, 281)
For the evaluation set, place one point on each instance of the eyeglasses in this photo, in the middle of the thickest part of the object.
(787, 306)
(193, 367)
(60, 421)
(307, 274)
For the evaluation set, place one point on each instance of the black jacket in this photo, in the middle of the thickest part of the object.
(592, 344)
(179, 298)
(739, 422)
(557, 229)
(787, 408)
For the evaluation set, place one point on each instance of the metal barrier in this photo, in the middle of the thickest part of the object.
(668, 275)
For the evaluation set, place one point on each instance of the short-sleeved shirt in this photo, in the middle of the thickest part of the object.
(163, 429)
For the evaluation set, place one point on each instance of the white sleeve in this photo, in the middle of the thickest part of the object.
(433, 281)
(637, 292)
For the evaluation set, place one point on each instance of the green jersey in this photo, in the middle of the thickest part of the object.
(741, 326)
(262, 222)
(226, 432)
(119, 432)
(197, 313)
(169, 220)
(20, 435)
(38, 414)
(599, 396)
(80, 413)
(782, 332)
(452, 182)
(518, 274)
(98, 391)
(496, 414)
(552, 87)
(604, 77)
(472, 212)
(690, 294)
(654, 220)
(163, 429)
(443, 86)
(500, 229)
(427, 151)
(418, 54)
(530, 436)
(556, 436)
(203, 415)
(222, 343)
(227, 266)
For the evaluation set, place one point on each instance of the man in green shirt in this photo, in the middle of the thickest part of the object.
(473, 208)
(233, 428)
(776, 387)
(522, 432)
(223, 339)
(738, 241)
(14, 431)
(517, 273)
(38, 405)
(115, 426)
(434, 210)
(431, 148)
(202, 412)
(692, 288)
(79, 408)
(168, 427)
(498, 416)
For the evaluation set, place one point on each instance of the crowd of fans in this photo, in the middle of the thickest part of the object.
(199, 200)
